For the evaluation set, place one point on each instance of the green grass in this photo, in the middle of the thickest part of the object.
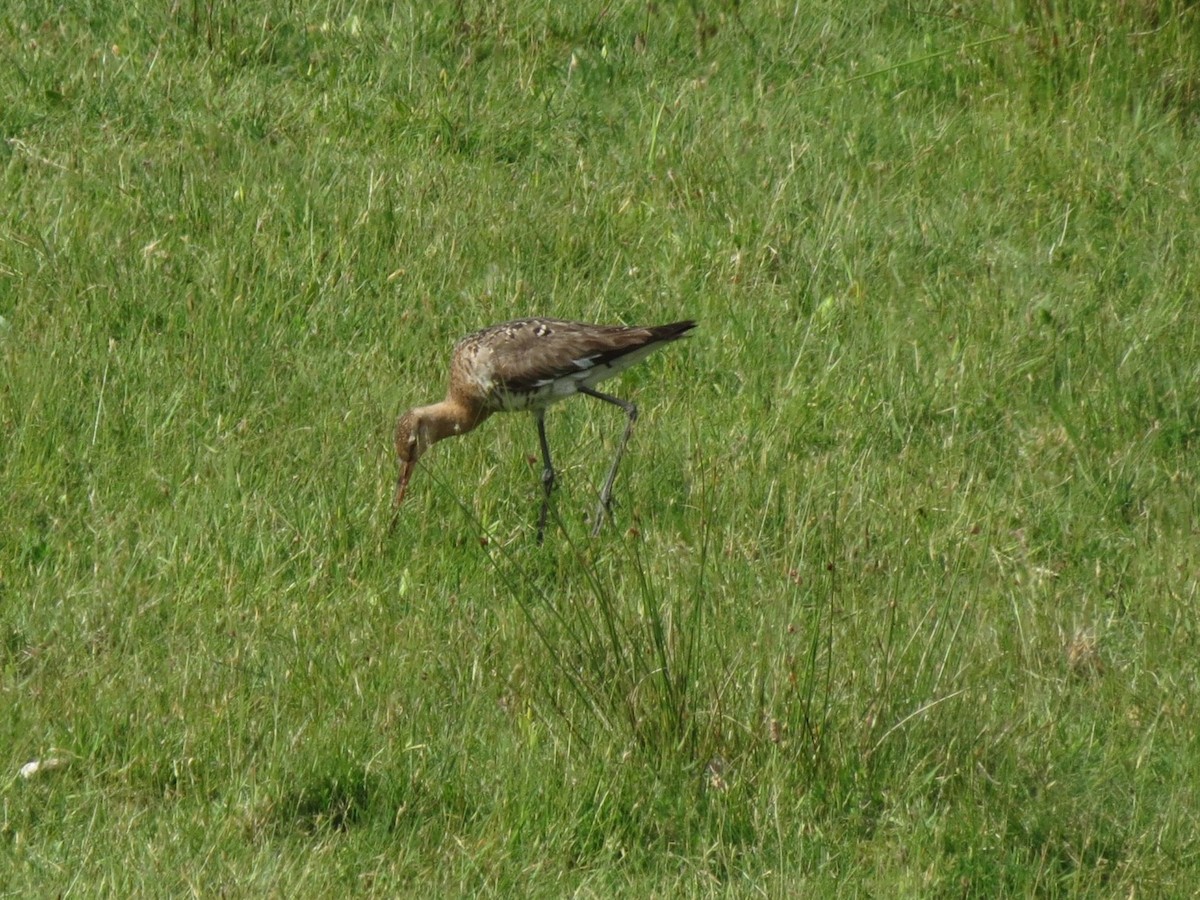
(900, 599)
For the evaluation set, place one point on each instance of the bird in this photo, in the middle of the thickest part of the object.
(529, 364)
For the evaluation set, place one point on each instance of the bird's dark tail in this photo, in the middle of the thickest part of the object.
(671, 332)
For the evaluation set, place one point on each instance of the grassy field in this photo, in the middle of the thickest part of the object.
(901, 596)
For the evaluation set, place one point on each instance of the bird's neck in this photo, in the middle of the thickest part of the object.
(452, 416)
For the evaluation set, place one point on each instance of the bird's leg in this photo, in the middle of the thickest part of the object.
(547, 472)
(605, 505)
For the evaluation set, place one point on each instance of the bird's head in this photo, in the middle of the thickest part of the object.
(422, 427)
(413, 437)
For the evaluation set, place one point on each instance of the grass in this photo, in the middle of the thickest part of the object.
(900, 596)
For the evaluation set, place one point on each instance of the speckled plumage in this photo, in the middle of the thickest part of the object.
(528, 364)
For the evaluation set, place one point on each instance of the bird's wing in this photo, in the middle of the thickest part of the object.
(531, 354)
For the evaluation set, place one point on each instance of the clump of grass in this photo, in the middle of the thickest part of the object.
(635, 659)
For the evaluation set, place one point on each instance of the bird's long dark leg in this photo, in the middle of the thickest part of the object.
(606, 493)
(547, 472)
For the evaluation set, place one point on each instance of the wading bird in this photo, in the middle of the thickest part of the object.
(529, 364)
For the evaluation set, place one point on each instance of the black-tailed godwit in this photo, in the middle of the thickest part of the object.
(529, 364)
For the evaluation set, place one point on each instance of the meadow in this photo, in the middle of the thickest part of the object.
(900, 598)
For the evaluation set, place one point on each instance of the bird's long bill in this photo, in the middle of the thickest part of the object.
(402, 482)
